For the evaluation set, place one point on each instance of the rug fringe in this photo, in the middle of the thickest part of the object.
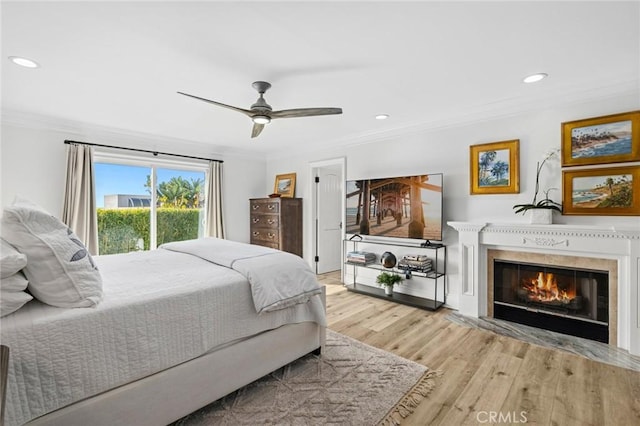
(411, 399)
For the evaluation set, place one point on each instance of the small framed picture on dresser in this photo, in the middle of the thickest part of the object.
(285, 185)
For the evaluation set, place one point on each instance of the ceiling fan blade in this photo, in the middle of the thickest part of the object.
(244, 111)
(304, 112)
(257, 129)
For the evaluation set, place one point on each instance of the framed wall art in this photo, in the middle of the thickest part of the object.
(285, 185)
(495, 167)
(609, 191)
(601, 140)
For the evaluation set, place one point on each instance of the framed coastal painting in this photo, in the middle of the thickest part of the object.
(285, 185)
(609, 191)
(495, 167)
(601, 140)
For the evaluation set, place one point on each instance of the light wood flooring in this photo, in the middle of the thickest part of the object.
(487, 378)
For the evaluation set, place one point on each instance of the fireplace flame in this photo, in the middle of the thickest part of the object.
(544, 288)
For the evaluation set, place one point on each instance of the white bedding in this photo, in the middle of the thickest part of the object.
(160, 308)
(278, 279)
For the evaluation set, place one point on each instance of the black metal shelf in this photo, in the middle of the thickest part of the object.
(429, 274)
(437, 275)
(405, 299)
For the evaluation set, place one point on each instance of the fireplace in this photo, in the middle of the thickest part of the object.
(565, 299)
(591, 248)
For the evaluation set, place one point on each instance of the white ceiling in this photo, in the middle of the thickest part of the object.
(119, 64)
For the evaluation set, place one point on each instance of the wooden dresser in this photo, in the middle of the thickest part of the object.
(277, 223)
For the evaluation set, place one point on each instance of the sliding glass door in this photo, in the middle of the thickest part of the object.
(142, 204)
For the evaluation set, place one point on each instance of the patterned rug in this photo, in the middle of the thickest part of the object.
(349, 384)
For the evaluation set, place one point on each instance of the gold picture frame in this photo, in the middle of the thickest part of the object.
(601, 140)
(607, 191)
(285, 185)
(495, 167)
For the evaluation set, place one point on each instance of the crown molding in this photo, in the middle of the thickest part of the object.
(121, 137)
(499, 109)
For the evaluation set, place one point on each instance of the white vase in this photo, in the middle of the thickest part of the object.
(541, 216)
(388, 290)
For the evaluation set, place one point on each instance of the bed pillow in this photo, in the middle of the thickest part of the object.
(11, 261)
(59, 268)
(12, 294)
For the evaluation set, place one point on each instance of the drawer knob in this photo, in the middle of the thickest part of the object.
(256, 219)
(271, 221)
(270, 207)
(256, 206)
(256, 233)
(270, 235)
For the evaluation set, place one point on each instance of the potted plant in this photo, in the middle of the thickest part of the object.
(542, 210)
(388, 280)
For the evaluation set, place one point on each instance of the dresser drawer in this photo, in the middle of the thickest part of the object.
(260, 206)
(266, 244)
(265, 221)
(263, 234)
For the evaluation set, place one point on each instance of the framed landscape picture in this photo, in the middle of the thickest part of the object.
(601, 140)
(495, 167)
(285, 185)
(610, 191)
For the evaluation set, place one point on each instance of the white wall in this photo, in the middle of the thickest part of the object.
(446, 150)
(33, 162)
(33, 165)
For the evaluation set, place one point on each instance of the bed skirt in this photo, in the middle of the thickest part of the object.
(171, 394)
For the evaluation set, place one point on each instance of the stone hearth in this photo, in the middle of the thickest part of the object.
(618, 251)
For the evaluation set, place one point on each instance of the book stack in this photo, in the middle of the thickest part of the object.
(361, 257)
(415, 262)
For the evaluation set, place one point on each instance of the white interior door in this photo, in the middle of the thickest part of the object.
(329, 190)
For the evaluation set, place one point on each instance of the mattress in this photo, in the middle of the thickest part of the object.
(160, 309)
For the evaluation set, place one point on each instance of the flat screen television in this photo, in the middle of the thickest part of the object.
(398, 207)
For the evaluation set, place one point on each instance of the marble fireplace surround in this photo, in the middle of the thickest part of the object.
(599, 244)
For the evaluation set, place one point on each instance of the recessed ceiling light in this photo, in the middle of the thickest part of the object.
(535, 77)
(382, 116)
(24, 62)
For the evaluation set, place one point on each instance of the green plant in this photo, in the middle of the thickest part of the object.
(119, 230)
(546, 202)
(387, 279)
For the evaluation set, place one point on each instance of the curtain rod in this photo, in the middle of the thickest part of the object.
(155, 153)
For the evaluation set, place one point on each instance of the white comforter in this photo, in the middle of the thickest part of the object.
(278, 279)
(160, 308)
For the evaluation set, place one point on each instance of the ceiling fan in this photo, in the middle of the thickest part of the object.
(261, 112)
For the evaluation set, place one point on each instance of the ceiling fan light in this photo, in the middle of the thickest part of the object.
(261, 119)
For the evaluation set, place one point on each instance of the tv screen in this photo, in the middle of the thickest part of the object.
(399, 207)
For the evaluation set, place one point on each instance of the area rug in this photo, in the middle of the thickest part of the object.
(350, 383)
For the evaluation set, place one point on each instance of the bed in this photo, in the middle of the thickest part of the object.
(177, 328)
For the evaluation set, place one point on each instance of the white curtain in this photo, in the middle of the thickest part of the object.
(79, 210)
(213, 214)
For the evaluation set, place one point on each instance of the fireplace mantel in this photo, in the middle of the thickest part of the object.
(622, 245)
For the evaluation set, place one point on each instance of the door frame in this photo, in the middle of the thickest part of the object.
(314, 167)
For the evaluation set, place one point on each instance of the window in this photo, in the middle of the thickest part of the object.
(143, 203)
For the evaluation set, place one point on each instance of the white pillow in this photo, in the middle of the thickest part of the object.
(59, 268)
(11, 261)
(12, 294)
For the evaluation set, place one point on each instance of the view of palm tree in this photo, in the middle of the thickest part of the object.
(179, 192)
